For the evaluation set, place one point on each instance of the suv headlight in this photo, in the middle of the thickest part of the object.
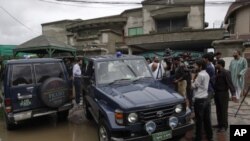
(132, 117)
(178, 108)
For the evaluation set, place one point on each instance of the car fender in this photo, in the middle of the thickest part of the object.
(108, 115)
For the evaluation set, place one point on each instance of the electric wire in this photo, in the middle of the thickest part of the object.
(14, 18)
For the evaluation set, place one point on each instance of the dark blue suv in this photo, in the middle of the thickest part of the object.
(33, 88)
(128, 104)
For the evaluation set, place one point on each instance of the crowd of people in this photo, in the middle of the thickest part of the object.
(199, 82)
(207, 81)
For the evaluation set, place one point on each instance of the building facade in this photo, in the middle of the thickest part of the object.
(237, 25)
(157, 25)
(175, 24)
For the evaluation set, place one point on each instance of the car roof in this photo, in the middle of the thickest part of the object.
(113, 57)
(33, 60)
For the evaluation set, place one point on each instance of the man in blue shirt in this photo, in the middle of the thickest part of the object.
(210, 69)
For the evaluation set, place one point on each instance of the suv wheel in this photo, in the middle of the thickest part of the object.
(103, 132)
(63, 115)
(87, 112)
(8, 124)
(54, 92)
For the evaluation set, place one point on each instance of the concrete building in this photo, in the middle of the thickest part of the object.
(157, 25)
(57, 29)
(175, 24)
(97, 35)
(237, 24)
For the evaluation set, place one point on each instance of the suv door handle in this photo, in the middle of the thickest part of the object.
(21, 97)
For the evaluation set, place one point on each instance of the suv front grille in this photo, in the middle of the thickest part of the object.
(156, 113)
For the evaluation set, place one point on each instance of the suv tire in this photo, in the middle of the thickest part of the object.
(9, 126)
(63, 115)
(87, 113)
(54, 92)
(103, 131)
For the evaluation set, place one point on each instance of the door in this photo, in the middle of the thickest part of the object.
(91, 88)
(22, 87)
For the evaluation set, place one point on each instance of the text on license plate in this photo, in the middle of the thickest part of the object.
(162, 135)
(25, 102)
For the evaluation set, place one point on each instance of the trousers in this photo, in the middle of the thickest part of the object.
(202, 109)
(238, 92)
(77, 83)
(221, 103)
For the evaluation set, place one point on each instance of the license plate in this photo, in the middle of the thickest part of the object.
(25, 102)
(162, 135)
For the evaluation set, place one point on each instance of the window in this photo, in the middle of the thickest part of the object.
(21, 75)
(48, 70)
(135, 31)
(232, 24)
(171, 25)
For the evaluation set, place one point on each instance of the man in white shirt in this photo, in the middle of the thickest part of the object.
(77, 74)
(201, 102)
(157, 68)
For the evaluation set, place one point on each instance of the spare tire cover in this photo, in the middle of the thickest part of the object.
(54, 92)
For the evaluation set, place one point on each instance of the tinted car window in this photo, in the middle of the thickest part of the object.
(48, 70)
(21, 75)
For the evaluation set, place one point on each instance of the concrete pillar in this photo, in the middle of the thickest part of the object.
(130, 51)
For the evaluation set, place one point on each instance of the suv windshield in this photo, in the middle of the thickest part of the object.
(111, 71)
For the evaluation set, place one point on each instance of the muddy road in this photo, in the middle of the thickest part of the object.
(46, 129)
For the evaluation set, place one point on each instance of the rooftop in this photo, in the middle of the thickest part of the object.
(239, 4)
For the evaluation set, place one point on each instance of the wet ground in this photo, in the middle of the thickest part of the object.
(46, 128)
(42, 129)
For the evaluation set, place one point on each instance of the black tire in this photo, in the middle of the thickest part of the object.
(87, 113)
(103, 131)
(178, 138)
(54, 92)
(63, 115)
(9, 126)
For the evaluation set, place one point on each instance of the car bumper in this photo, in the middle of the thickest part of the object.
(175, 132)
(20, 116)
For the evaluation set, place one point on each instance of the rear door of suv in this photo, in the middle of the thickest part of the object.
(22, 87)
